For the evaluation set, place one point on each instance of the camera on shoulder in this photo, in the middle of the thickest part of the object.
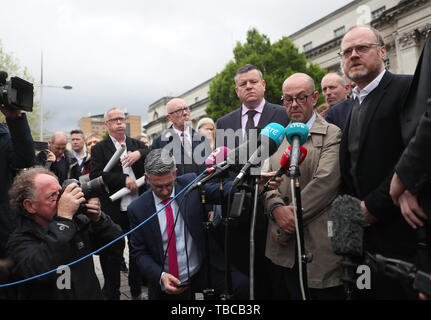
(16, 93)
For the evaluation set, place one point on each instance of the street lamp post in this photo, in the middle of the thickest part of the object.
(41, 94)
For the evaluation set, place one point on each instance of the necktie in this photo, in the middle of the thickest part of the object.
(172, 249)
(250, 122)
(187, 146)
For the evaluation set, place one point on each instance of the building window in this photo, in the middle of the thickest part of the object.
(308, 46)
(339, 32)
(377, 13)
(156, 116)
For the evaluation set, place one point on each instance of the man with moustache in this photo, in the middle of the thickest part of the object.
(370, 148)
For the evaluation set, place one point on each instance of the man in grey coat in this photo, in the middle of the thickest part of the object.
(319, 181)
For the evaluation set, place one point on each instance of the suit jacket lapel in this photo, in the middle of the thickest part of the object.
(265, 117)
(149, 209)
(378, 94)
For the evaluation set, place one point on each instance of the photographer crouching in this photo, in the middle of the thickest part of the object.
(51, 233)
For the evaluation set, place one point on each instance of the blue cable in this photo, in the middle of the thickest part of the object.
(106, 245)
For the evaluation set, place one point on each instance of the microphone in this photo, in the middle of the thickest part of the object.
(345, 228)
(214, 162)
(296, 135)
(346, 221)
(269, 140)
(284, 165)
(217, 156)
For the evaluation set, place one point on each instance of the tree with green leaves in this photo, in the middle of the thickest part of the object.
(11, 65)
(277, 61)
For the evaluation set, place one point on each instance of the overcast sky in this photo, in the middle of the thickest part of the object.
(130, 53)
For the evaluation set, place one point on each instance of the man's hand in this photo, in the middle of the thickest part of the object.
(396, 189)
(369, 218)
(10, 113)
(131, 184)
(5, 266)
(93, 209)
(69, 201)
(273, 185)
(285, 219)
(411, 210)
(170, 282)
(129, 159)
(50, 156)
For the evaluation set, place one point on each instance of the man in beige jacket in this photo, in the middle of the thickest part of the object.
(319, 181)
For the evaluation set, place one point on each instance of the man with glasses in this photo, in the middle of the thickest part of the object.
(52, 234)
(190, 148)
(319, 182)
(171, 248)
(124, 174)
(58, 159)
(370, 148)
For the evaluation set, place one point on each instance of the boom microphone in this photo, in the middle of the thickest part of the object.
(296, 135)
(347, 220)
(269, 140)
(345, 227)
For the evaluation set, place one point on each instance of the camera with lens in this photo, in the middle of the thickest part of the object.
(16, 93)
(91, 189)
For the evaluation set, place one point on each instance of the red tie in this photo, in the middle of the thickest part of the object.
(172, 249)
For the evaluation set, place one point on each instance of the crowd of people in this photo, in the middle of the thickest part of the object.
(358, 144)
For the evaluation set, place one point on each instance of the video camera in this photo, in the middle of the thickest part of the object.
(91, 189)
(16, 93)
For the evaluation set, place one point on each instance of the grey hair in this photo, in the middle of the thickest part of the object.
(105, 115)
(23, 188)
(159, 162)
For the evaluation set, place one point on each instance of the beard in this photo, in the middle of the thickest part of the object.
(358, 75)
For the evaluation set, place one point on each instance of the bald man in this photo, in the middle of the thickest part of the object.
(319, 180)
(334, 88)
(190, 148)
(58, 159)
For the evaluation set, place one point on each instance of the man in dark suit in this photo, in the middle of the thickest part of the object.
(58, 159)
(370, 147)
(232, 130)
(189, 147)
(122, 175)
(339, 113)
(255, 112)
(170, 248)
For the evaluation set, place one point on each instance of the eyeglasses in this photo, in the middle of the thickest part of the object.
(117, 119)
(301, 100)
(180, 111)
(360, 49)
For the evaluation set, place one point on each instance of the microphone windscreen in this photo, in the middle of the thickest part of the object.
(297, 129)
(217, 156)
(285, 160)
(347, 221)
(275, 132)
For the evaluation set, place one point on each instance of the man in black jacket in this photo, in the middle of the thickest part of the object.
(16, 152)
(58, 159)
(370, 147)
(52, 233)
(123, 174)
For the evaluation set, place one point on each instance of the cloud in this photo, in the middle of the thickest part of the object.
(131, 53)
